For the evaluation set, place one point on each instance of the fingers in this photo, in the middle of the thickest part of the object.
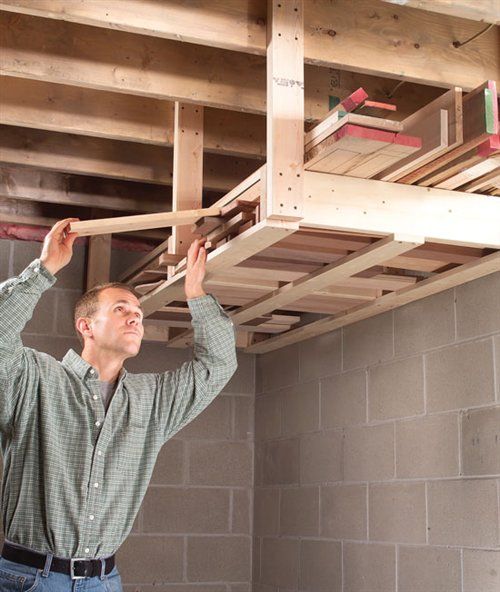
(60, 229)
(196, 250)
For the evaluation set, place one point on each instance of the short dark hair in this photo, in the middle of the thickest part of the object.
(88, 303)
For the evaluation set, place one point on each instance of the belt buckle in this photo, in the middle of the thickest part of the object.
(72, 568)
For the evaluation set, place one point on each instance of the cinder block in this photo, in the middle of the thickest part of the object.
(300, 408)
(427, 447)
(281, 462)
(121, 260)
(478, 306)
(368, 342)
(154, 358)
(5, 255)
(369, 567)
(255, 562)
(496, 345)
(213, 423)
(369, 453)
(320, 356)
(424, 324)
(258, 464)
(268, 415)
(170, 464)
(344, 512)
(263, 588)
(321, 566)
(280, 562)
(481, 571)
(219, 558)
(148, 559)
(343, 399)
(481, 441)
(55, 346)
(42, 321)
(24, 253)
(173, 588)
(243, 417)
(181, 510)
(66, 301)
(460, 376)
(321, 457)
(429, 569)
(266, 511)
(220, 463)
(242, 510)
(397, 512)
(299, 511)
(463, 512)
(243, 380)
(277, 368)
(396, 389)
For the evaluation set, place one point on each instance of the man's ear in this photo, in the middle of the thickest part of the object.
(83, 327)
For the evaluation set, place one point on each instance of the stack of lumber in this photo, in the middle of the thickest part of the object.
(355, 143)
(451, 143)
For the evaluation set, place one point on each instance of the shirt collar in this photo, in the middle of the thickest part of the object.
(82, 368)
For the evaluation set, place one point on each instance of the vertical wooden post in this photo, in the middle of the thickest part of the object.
(187, 190)
(98, 260)
(285, 110)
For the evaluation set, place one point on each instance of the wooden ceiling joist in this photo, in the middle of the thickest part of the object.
(117, 116)
(335, 34)
(85, 155)
(487, 11)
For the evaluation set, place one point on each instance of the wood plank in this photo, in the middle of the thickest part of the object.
(140, 222)
(443, 281)
(480, 122)
(470, 173)
(239, 249)
(26, 183)
(98, 260)
(348, 266)
(283, 197)
(84, 111)
(378, 208)
(337, 35)
(187, 190)
(486, 11)
(111, 158)
(439, 132)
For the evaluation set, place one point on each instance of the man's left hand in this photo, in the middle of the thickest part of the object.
(195, 274)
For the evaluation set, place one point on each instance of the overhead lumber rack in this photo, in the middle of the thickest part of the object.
(295, 248)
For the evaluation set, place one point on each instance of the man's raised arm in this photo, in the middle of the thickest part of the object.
(18, 298)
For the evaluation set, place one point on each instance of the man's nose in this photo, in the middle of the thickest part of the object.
(133, 320)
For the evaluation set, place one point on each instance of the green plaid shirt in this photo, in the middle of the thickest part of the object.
(74, 477)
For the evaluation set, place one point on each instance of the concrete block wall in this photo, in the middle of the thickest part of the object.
(377, 453)
(193, 532)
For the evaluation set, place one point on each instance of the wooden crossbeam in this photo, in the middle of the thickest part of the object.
(487, 11)
(140, 222)
(374, 254)
(239, 249)
(378, 208)
(85, 111)
(443, 281)
(85, 155)
(240, 25)
(30, 184)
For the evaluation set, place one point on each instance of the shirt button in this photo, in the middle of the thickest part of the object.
(92, 371)
(94, 397)
(91, 517)
(97, 423)
(99, 452)
(87, 550)
(96, 484)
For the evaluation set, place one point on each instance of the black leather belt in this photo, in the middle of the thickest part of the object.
(76, 568)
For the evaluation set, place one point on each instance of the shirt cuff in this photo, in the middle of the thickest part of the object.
(39, 268)
(205, 307)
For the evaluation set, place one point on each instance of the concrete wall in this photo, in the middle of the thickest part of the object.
(378, 453)
(193, 533)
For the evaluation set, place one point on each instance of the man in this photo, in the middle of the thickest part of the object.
(80, 437)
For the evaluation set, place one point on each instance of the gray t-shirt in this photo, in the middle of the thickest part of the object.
(107, 391)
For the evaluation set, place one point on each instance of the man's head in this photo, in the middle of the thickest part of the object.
(109, 317)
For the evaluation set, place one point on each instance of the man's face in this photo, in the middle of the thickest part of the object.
(117, 324)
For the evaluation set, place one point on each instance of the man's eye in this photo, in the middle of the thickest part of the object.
(120, 308)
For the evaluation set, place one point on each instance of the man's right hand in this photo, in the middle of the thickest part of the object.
(58, 246)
